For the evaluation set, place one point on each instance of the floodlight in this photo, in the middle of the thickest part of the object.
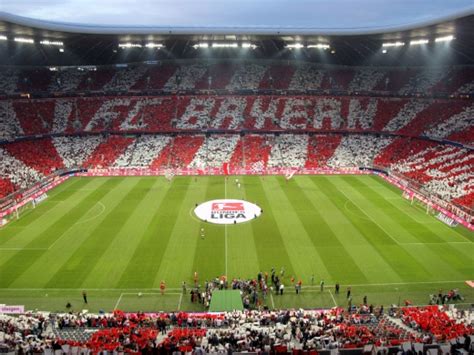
(201, 45)
(153, 45)
(318, 45)
(225, 45)
(24, 40)
(295, 46)
(248, 45)
(444, 39)
(52, 43)
(130, 45)
(418, 42)
(393, 44)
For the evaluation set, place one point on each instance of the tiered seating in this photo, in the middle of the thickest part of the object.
(8, 80)
(252, 152)
(459, 81)
(358, 150)
(247, 76)
(108, 151)
(179, 153)
(66, 80)
(407, 114)
(124, 79)
(250, 331)
(320, 149)
(436, 118)
(432, 319)
(217, 77)
(395, 79)
(436, 112)
(155, 78)
(445, 171)
(288, 151)
(35, 117)
(399, 149)
(214, 152)
(74, 151)
(365, 80)
(6, 187)
(307, 77)
(422, 82)
(20, 174)
(457, 123)
(186, 77)
(277, 77)
(142, 152)
(40, 155)
(228, 75)
(95, 80)
(10, 128)
(34, 80)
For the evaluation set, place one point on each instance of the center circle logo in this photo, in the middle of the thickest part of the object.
(227, 211)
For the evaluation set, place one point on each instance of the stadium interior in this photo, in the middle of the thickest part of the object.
(396, 105)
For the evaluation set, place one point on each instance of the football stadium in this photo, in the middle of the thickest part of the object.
(220, 177)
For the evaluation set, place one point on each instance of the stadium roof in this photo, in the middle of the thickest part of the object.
(264, 17)
(350, 42)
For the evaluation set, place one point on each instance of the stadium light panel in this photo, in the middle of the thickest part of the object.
(384, 51)
(418, 42)
(444, 39)
(3, 38)
(130, 45)
(318, 45)
(24, 40)
(393, 44)
(153, 45)
(295, 46)
(61, 50)
(225, 45)
(201, 45)
(248, 45)
(52, 43)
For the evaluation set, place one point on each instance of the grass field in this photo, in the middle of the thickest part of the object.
(115, 237)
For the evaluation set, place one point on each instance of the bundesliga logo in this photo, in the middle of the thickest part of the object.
(227, 210)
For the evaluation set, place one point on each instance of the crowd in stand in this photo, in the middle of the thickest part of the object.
(247, 76)
(257, 331)
(439, 119)
(443, 171)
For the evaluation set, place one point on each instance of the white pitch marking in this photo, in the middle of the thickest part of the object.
(271, 297)
(93, 217)
(88, 219)
(177, 289)
(335, 303)
(371, 219)
(118, 301)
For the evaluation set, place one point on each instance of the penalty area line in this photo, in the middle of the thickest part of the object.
(118, 301)
(333, 299)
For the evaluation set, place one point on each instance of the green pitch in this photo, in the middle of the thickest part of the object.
(116, 237)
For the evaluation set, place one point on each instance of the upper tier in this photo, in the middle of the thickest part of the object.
(237, 76)
(449, 119)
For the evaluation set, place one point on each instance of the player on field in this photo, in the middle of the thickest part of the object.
(162, 287)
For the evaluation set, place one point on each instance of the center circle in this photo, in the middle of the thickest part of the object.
(227, 211)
